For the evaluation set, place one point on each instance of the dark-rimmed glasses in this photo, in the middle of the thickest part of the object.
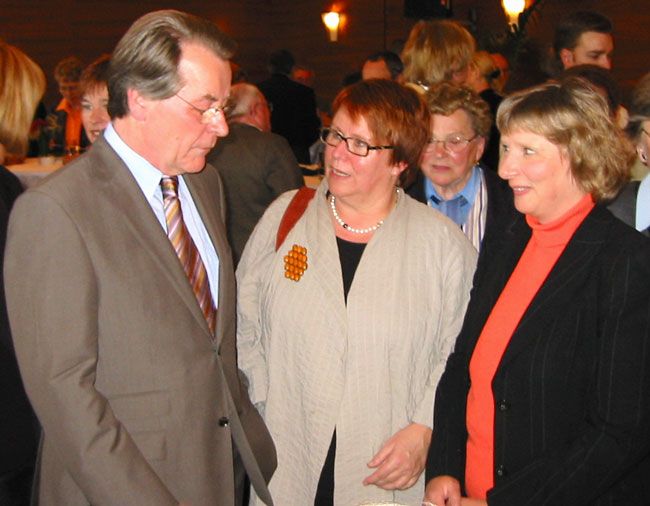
(209, 114)
(354, 145)
(453, 144)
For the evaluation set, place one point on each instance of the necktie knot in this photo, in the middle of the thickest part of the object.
(169, 185)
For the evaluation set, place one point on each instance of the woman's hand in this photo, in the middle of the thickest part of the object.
(443, 491)
(401, 460)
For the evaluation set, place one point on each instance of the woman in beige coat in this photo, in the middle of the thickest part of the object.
(343, 352)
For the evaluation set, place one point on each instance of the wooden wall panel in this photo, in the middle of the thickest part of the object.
(50, 31)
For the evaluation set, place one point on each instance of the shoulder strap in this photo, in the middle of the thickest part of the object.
(294, 211)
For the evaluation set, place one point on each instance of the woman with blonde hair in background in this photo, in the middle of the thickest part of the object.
(480, 77)
(22, 84)
(437, 51)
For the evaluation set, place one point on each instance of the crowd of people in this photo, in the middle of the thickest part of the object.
(458, 315)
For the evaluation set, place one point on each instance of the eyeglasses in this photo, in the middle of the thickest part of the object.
(453, 144)
(209, 114)
(355, 146)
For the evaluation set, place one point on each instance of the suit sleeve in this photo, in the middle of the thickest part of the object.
(52, 298)
(614, 437)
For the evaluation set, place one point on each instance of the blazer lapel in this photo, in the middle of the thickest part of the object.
(571, 266)
(125, 196)
(500, 254)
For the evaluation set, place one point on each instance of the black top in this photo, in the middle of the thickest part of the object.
(294, 114)
(19, 430)
(349, 255)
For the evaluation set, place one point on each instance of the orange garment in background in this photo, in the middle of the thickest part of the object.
(72, 124)
(542, 251)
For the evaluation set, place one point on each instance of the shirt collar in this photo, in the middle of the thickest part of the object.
(469, 191)
(146, 175)
(643, 204)
(64, 105)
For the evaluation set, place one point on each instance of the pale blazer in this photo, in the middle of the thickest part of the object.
(138, 404)
(368, 368)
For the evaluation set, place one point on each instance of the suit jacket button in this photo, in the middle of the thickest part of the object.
(223, 421)
(503, 405)
(501, 471)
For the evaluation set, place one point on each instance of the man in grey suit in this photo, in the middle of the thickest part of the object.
(256, 165)
(137, 391)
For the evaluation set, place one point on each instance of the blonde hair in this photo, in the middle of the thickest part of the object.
(573, 116)
(22, 85)
(446, 98)
(483, 62)
(435, 50)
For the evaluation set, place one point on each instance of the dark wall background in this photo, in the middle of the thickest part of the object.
(51, 30)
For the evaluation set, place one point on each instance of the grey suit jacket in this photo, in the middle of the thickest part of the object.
(256, 167)
(624, 205)
(138, 404)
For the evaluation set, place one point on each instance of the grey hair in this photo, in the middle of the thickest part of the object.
(147, 56)
(242, 97)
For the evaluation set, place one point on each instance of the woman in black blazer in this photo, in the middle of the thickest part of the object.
(569, 396)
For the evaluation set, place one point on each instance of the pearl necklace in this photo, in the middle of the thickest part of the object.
(348, 227)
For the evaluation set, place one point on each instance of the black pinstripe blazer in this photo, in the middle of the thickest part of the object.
(572, 391)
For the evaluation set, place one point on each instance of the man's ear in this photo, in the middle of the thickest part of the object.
(566, 56)
(138, 104)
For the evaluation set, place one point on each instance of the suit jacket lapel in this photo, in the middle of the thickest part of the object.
(570, 267)
(500, 253)
(125, 196)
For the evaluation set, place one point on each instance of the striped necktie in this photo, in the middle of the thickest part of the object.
(186, 250)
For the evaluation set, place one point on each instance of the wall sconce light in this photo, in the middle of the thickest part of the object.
(513, 8)
(331, 21)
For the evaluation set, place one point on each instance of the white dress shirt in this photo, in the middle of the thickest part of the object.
(148, 178)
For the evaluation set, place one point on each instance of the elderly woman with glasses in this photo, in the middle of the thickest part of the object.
(344, 351)
(545, 400)
(451, 179)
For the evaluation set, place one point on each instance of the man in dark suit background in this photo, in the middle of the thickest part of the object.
(125, 340)
(294, 115)
(255, 165)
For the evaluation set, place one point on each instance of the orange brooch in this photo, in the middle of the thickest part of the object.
(295, 262)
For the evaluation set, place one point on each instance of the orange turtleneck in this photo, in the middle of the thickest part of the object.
(72, 124)
(542, 252)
